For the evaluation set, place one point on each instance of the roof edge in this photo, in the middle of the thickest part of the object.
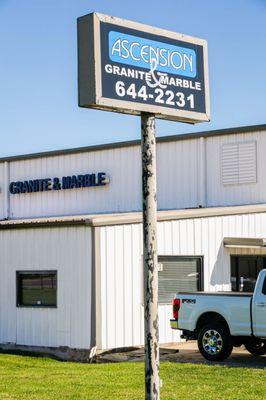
(170, 215)
(98, 220)
(115, 145)
(43, 222)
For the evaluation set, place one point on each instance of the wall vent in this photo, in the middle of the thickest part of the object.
(239, 163)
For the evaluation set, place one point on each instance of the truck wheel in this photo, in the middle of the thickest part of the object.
(256, 347)
(214, 342)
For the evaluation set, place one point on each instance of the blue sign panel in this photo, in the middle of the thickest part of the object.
(144, 53)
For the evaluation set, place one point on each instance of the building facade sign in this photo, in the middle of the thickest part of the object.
(66, 182)
(129, 67)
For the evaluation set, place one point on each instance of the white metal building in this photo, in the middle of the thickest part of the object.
(71, 234)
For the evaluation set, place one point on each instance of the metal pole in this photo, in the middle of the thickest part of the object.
(152, 391)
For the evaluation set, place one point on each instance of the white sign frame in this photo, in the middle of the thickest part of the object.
(90, 74)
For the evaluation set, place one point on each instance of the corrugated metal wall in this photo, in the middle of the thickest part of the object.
(3, 190)
(189, 175)
(67, 250)
(121, 289)
(178, 179)
(219, 194)
(122, 165)
(121, 269)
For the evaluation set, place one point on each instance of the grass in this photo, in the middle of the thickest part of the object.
(33, 378)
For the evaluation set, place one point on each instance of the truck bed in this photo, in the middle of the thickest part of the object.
(234, 307)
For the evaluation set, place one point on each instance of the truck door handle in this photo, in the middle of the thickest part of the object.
(261, 304)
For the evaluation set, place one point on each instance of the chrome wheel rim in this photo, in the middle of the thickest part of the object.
(212, 342)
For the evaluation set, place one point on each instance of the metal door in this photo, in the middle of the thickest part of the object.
(259, 309)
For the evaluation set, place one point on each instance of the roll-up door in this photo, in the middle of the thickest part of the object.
(178, 274)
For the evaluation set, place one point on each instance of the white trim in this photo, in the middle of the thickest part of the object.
(244, 242)
(6, 190)
(149, 29)
(202, 183)
(98, 291)
(136, 217)
(129, 107)
(135, 108)
(97, 58)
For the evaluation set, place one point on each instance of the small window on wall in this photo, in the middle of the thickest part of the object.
(36, 288)
(178, 274)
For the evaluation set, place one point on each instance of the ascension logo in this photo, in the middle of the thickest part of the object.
(159, 57)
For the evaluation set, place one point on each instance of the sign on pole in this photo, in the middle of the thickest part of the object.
(132, 68)
(136, 69)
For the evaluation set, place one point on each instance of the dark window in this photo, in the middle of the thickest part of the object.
(178, 274)
(36, 288)
(264, 287)
(244, 272)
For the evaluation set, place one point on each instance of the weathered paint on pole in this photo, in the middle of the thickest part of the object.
(148, 144)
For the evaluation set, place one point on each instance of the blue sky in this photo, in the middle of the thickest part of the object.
(38, 69)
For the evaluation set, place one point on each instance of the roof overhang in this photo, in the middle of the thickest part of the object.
(84, 220)
(241, 242)
(136, 218)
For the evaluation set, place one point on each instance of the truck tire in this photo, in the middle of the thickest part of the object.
(256, 347)
(215, 342)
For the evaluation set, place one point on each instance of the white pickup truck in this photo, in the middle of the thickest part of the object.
(221, 320)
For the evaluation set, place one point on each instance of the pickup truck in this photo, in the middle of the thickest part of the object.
(221, 320)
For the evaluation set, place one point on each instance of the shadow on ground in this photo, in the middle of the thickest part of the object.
(184, 353)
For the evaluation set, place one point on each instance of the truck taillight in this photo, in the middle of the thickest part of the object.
(176, 307)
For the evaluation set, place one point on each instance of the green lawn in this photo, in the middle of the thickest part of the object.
(31, 378)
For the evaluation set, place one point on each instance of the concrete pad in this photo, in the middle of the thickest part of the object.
(186, 352)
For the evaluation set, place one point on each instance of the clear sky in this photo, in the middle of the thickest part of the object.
(38, 69)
